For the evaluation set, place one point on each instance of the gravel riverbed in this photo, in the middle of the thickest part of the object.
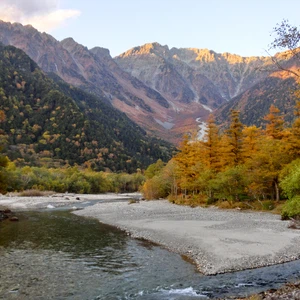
(216, 240)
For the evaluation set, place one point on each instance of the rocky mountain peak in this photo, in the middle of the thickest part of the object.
(149, 48)
(100, 52)
(193, 54)
(205, 54)
(164, 90)
(18, 28)
(71, 45)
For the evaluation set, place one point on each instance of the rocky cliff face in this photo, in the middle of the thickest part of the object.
(193, 75)
(92, 70)
(255, 103)
(166, 91)
(219, 82)
(46, 51)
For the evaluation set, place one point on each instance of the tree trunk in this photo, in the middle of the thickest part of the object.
(277, 195)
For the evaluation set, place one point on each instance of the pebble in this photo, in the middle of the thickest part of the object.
(120, 215)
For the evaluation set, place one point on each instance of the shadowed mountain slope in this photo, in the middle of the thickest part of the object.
(52, 122)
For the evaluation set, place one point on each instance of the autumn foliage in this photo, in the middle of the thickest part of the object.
(238, 166)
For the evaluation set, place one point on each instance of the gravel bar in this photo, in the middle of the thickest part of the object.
(216, 240)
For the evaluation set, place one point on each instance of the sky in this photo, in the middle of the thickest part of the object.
(242, 27)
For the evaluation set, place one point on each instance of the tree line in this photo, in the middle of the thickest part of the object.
(69, 179)
(49, 122)
(234, 167)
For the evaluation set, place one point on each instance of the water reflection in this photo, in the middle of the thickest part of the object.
(98, 244)
(58, 255)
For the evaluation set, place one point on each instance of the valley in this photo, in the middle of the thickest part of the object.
(163, 90)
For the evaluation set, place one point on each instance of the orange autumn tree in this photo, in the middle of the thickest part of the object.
(211, 145)
(251, 136)
(243, 163)
(231, 143)
(189, 160)
(268, 159)
(274, 127)
(252, 139)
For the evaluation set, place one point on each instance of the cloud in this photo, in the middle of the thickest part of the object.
(44, 15)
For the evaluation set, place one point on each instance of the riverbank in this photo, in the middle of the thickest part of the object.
(290, 291)
(216, 240)
(56, 200)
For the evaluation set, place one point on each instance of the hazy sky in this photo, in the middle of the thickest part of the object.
(237, 26)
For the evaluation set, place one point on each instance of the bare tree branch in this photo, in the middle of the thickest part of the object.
(288, 38)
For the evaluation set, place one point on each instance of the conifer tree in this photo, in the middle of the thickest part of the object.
(190, 162)
(251, 139)
(211, 145)
(274, 127)
(234, 135)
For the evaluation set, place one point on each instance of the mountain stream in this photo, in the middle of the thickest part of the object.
(57, 255)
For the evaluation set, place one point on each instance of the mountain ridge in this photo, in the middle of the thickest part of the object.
(50, 122)
(166, 91)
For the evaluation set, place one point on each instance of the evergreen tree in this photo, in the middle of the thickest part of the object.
(251, 139)
(234, 140)
(274, 127)
(211, 145)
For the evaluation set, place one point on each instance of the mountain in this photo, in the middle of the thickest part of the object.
(218, 81)
(91, 70)
(192, 75)
(168, 92)
(124, 91)
(50, 122)
(255, 103)
(278, 88)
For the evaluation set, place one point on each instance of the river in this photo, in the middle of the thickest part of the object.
(58, 255)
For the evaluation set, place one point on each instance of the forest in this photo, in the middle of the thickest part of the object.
(52, 124)
(56, 137)
(34, 181)
(244, 167)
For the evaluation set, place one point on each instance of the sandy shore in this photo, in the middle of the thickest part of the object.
(216, 240)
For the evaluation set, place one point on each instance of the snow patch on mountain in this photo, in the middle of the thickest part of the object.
(202, 129)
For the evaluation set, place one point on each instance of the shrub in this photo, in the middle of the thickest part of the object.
(225, 205)
(210, 201)
(197, 200)
(155, 188)
(291, 209)
(268, 205)
(290, 179)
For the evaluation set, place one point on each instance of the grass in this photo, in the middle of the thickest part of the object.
(271, 206)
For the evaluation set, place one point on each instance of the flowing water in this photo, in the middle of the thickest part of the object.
(58, 255)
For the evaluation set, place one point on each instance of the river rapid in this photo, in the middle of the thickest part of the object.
(58, 255)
